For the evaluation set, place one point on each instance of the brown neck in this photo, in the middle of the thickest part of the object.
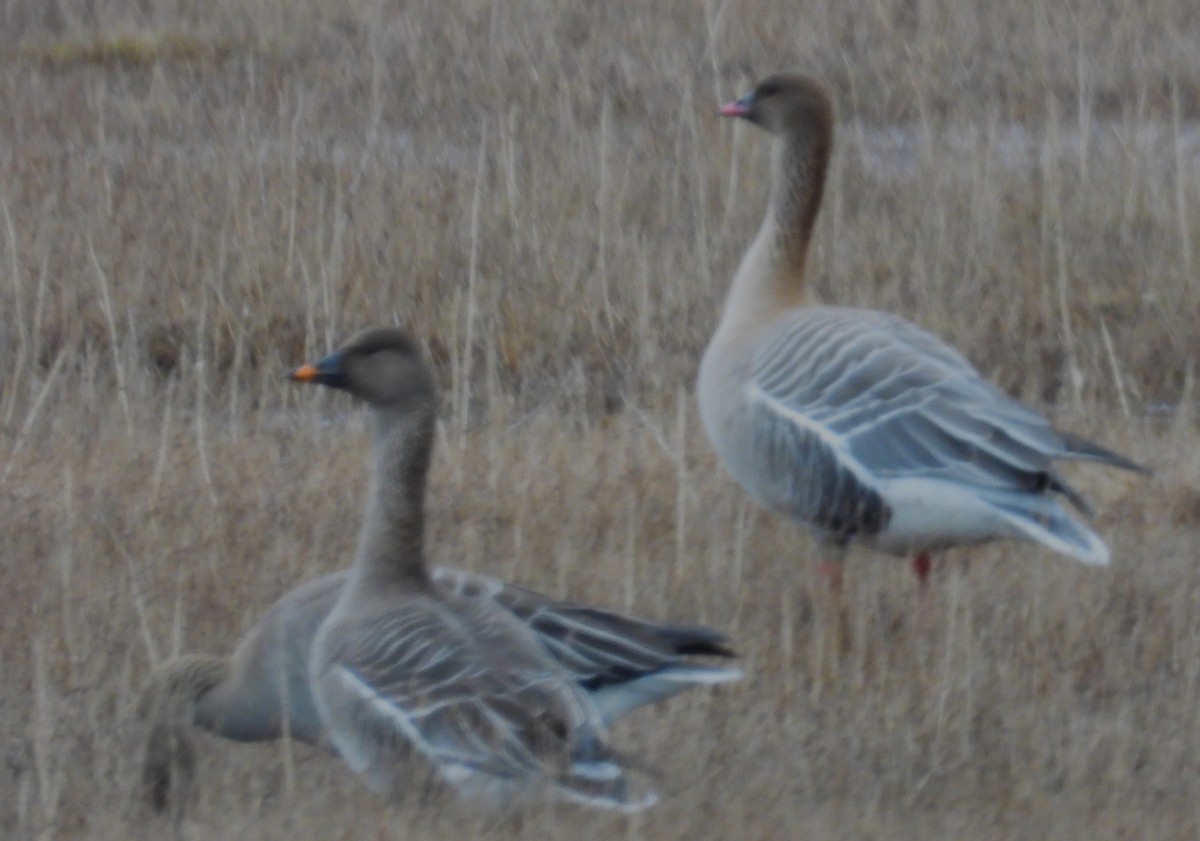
(391, 546)
(801, 160)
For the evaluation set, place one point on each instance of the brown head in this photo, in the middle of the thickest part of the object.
(785, 103)
(382, 366)
(385, 368)
(799, 113)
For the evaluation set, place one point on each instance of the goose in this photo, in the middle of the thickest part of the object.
(258, 693)
(261, 691)
(857, 423)
(399, 664)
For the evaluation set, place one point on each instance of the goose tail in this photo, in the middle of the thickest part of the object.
(596, 776)
(1043, 520)
(1078, 447)
(613, 702)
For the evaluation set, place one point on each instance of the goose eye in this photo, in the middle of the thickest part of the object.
(769, 89)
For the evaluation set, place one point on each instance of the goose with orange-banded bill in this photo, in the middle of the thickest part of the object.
(401, 663)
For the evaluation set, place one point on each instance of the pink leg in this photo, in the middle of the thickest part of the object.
(840, 638)
(922, 565)
(831, 571)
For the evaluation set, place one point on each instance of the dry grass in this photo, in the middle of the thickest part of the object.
(194, 196)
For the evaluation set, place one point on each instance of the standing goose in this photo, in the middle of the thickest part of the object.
(400, 663)
(262, 690)
(855, 422)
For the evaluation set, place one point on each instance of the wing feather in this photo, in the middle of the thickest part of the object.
(595, 647)
(463, 686)
(848, 399)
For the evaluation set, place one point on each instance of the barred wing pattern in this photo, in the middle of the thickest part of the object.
(842, 402)
(466, 685)
(621, 663)
(600, 650)
(596, 647)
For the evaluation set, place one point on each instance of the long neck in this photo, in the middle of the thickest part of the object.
(391, 547)
(770, 279)
(801, 159)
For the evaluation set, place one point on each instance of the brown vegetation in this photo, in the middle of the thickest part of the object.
(195, 196)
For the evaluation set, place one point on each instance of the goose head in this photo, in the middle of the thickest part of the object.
(382, 366)
(785, 103)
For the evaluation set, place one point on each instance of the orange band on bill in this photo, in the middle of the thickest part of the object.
(305, 373)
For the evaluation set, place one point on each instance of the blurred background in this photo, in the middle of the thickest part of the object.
(195, 197)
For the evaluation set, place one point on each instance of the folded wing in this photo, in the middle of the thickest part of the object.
(468, 688)
(851, 399)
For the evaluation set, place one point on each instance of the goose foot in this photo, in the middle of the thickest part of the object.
(922, 566)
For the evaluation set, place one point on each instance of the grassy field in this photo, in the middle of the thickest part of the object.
(195, 197)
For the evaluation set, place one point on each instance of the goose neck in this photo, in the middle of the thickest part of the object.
(801, 160)
(392, 544)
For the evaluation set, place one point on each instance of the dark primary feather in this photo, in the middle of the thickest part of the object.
(597, 647)
(1082, 448)
(808, 479)
(695, 641)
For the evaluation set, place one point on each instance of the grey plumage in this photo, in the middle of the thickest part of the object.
(858, 423)
(427, 675)
(840, 402)
(262, 690)
(400, 664)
